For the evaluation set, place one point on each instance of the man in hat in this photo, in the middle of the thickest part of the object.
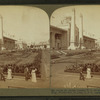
(26, 72)
(81, 74)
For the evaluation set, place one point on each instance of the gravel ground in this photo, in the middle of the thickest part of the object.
(61, 79)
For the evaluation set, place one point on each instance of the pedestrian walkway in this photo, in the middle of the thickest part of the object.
(20, 82)
(62, 81)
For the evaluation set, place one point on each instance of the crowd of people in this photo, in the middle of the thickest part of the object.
(82, 68)
(94, 67)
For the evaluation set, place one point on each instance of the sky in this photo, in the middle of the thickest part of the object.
(91, 18)
(27, 23)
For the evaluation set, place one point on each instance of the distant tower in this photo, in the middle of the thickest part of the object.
(72, 34)
(81, 42)
(1, 34)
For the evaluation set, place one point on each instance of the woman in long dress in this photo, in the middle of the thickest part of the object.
(33, 75)
(9, 76)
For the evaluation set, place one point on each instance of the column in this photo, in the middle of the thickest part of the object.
(72, 34)
(1, 32)
(81, 42)
(52, 40)
(68, 38)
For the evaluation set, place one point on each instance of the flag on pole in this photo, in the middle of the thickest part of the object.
(53, 17)
(81, 15)
(61, 22)
(73, 9)
(66, 20)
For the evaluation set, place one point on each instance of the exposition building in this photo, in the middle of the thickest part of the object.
(60, 39)
(6, 42)
(70, 37)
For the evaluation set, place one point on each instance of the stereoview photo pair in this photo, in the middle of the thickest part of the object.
(57, 51)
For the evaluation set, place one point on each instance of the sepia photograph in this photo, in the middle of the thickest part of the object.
(75, 47)
(24, 47)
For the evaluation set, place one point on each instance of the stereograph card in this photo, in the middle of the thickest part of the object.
(49, 50)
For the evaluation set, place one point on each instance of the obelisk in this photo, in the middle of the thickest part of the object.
(72, 34)
(81, 42)
(1, 33)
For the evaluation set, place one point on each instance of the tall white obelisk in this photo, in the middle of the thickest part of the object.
(72, 34)
(81, 42)
(1, 33)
